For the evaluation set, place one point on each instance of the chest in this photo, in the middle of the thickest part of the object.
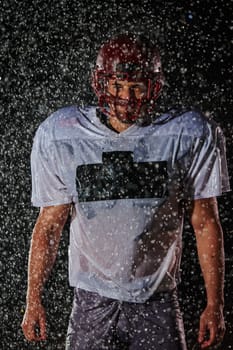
(122, 168)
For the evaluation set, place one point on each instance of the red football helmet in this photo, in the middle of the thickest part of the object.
(131, 58)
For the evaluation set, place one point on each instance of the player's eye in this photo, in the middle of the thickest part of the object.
(139, 89)
(136, 88)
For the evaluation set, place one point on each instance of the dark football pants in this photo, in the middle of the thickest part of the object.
(99, 323)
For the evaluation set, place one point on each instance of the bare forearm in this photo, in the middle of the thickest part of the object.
(41, 259)
(211, 257)
(43, 250)
(206, 223)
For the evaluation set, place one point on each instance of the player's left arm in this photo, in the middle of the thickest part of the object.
(205, 220)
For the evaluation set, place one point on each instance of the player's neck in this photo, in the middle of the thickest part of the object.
(117, 125)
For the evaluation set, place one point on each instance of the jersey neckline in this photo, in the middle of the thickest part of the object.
(111, 131)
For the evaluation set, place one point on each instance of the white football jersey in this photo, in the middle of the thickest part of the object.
(127, 190)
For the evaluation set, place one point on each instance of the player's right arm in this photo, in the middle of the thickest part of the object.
(43, 250)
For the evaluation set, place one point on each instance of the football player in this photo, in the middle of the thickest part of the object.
(128, 176)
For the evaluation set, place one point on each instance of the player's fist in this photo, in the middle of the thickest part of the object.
(212, 327)
(34, 322)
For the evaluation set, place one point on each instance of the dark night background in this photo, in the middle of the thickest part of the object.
(47, 51)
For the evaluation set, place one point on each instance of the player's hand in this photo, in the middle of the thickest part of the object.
(212, 327)
(34, 322)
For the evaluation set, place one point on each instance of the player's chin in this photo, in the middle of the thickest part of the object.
(126, 118)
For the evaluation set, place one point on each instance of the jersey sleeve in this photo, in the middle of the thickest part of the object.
(48, 186)
(208, 174)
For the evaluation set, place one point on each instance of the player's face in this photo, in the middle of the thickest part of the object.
(128, 94)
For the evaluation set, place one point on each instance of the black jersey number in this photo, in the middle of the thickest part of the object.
(119, 177)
